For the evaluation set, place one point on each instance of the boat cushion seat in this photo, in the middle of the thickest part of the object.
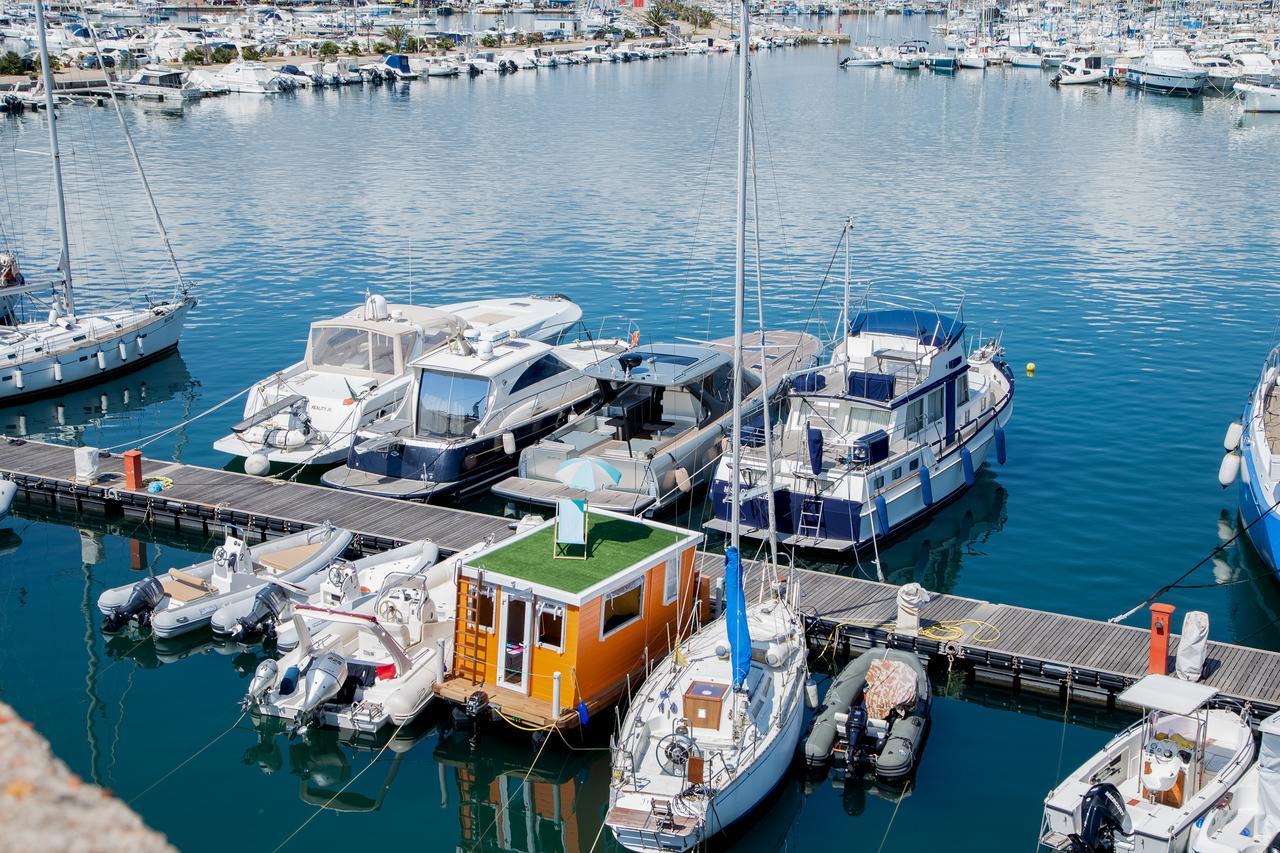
(183, 587)
(890, 684)
(290, 558)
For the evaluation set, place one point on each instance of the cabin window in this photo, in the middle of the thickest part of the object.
(962, 389)
(933, 405)
(542, 369)
(383, 353)
(551, 626)
(450, 405)
(340, 347)
(671, 580)
(914, 464)
(485, 610)
(621, 607)
(915, 417)
(879, 483)
(897, 473)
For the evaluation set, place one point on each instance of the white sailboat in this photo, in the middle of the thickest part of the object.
(716, 724)
(46, 345)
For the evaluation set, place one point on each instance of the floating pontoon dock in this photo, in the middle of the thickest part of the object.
(1034, 650)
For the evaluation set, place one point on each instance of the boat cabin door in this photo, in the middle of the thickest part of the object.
(517, 622)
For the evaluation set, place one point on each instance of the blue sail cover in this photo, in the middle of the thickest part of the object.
(735, 617)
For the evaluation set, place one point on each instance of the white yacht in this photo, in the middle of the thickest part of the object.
(161, 83)
(468, 412)
(1247, 820)
(897, 423)
(50, 345)
(1257, 98)
(1080, 69)
(357, 369)
(1149, 787)
(1168, 70)
(1222, 74)
(1254, 65)
(249, 78)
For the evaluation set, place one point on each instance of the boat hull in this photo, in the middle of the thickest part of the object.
(1259, 99)
(1167, 82)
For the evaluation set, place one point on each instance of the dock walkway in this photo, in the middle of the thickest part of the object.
(1067, 656)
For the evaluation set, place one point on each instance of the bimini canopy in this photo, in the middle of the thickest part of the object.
(927, 327)
(1168, 694)
(659, 364)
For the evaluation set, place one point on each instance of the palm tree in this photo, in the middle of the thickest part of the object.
(656, 19)
(395, 34)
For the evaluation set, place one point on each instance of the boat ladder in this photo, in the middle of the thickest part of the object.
(471, 643)
(810, 521)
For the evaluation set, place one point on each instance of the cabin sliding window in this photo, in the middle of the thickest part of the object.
(450, 405)
(915, 417)
(542, 369)
(383, 354)
(621, 607)
(962, 389)
(671, 580)
(550, 626)
(933, 405)
(485, 610)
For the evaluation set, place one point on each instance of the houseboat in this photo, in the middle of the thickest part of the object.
(550, 634)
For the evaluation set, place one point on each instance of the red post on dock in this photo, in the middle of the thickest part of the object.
(1161, 618)
(133, 470)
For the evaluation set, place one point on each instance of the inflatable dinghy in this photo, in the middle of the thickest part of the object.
(181, 601)
(873, 717)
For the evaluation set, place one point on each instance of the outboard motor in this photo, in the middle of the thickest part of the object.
(1100, 815)
(477, 703)
(323, 680)
(855, 728)
(270, 605)
(263, 678)
(146, 594)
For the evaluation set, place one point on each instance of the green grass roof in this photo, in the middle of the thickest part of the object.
(614, 545)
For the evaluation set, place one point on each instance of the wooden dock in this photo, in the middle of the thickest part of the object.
(1051, 654)
(206, 499)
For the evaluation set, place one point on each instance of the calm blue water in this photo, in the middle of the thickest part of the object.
(1124, 243)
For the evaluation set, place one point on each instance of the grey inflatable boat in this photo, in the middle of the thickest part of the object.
(844, 728)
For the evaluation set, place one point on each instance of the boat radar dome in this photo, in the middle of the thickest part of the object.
(375, 307)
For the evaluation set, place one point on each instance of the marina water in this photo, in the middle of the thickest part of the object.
(1123, 242)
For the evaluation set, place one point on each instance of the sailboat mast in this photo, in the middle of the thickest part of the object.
(64, 263)
(740, 270)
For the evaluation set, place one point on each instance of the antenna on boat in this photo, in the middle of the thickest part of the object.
(64, 263)
(848, 233)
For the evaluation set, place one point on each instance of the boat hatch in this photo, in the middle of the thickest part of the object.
(1167, 694)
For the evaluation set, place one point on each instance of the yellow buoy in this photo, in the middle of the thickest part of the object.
(1031, 368)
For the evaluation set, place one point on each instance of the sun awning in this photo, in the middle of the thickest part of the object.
(1168, 694)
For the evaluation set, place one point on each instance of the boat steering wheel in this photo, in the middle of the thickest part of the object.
(674, 752)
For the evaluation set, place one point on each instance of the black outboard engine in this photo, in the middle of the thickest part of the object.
(144, 598)
(1100, 815)
(472, 71)
(855, 728)
(269, 605)
(477, 704)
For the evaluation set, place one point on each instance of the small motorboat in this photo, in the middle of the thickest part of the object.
(339, 586)
(1257, 98)
(359, 669)
(910, 55)
(1026, 59)
(1247, 819)
(1150, 786)
(183, 600)
(874, 717)
(161, 83)
(1079, 69)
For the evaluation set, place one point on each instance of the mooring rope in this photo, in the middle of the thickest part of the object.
(189, 759)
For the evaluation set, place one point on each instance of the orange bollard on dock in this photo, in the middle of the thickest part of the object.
(133, 470)
(1161, 619)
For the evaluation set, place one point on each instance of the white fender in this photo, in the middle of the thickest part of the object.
(138, 343)
(1229, 469)
(124, 351)
(1232, 439)
(57, 371)
(102, 360)
(18, 381)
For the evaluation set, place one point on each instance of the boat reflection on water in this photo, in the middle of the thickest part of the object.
(64, 417)
(506, 801)
(150, 652)
(322, 760)
(1251, 585)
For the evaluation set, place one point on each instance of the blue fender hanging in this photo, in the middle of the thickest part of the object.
(966, 462)
(926, 486)
(882, 517)
(1002, 452)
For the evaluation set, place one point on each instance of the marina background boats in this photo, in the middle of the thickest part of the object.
(1099, 286)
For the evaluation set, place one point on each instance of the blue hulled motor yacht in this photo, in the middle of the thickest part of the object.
(1253, 457)
(897, 424)
(473, 405)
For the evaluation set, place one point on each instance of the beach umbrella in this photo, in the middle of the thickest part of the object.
(587, 474)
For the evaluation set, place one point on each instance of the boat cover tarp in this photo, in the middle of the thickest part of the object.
(1269, 777)
(1192, 645)
(890, 684)
(735, 617)
(871, 386)
(813, 440)
(927, 327)
(810, 383)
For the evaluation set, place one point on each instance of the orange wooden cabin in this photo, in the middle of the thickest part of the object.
(541, 636)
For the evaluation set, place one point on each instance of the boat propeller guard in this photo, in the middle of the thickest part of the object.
(146, 594)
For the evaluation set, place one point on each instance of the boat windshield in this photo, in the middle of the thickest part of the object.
(352, 349)
(450, 405)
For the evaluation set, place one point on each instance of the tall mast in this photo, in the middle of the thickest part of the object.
(740, 268)
(64, 263)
